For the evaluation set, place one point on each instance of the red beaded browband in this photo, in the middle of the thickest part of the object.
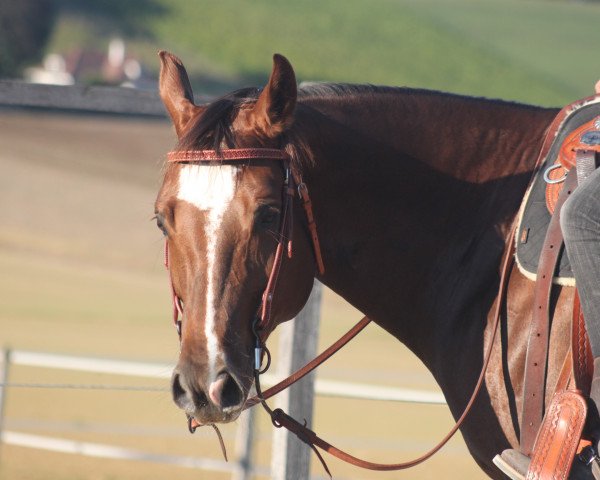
(232, 154)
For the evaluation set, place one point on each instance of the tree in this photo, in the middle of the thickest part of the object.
(24, 29)
(25, 25)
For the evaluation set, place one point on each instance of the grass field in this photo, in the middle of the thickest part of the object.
(536, 51)
(82, 274)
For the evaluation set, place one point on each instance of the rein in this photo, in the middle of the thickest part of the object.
(262, 325)
(281, 419)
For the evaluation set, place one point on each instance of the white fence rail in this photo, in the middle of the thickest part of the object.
(99, 450)
(323, 387)
(241, 468)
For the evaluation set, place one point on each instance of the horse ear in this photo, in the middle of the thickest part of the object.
(274, 109)
(176, 92)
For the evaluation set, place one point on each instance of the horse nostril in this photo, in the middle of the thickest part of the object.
(180, 396)
(232, 394)
(187, 399)
(225, 392)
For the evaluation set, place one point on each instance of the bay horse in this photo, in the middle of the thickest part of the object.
(414, 194)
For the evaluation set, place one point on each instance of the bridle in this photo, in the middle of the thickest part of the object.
(263, 324)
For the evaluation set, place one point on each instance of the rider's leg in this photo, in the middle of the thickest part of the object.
(580, 223)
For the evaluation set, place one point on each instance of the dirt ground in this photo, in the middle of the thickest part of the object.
(82, 274)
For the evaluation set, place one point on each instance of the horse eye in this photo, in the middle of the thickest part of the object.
(159, 223)
(268, 216)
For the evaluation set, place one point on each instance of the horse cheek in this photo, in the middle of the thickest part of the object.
(295, 282)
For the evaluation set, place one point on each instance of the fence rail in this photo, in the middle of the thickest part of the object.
(241, 466)
(80, 98)
(99, 450)
(323, 387)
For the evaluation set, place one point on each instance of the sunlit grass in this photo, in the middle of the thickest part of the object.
(534, 51)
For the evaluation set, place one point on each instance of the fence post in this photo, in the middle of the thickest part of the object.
(244, 439)
(4, 367)
(290, 458)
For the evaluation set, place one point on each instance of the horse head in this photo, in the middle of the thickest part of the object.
(222, 223)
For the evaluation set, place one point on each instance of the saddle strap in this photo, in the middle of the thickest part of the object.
(578, 367)
(539, 333)
(583, 360)
(558, 438)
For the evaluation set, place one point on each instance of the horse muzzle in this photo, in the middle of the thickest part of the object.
(217, 400)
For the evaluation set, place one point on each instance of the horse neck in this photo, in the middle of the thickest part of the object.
(413, 195)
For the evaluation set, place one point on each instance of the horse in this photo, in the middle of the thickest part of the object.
(414, 195)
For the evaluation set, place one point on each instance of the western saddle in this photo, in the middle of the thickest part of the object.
(552, 439)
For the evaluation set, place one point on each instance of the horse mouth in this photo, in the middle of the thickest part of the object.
(192, 424)
(202, 411)
(201, 419)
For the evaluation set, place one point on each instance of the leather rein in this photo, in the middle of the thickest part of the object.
(263, 325)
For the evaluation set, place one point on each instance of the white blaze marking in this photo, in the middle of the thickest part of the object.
(210, 188)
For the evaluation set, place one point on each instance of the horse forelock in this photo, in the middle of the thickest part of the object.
(213, 127)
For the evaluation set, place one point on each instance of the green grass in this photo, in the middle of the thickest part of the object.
(535, 51)
(552, 41)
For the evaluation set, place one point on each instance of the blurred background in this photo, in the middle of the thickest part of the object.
(529, 50)
(81, 260)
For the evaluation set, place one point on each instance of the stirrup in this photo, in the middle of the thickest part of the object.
(515, 465)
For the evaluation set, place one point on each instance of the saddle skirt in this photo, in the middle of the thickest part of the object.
(580, 128)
